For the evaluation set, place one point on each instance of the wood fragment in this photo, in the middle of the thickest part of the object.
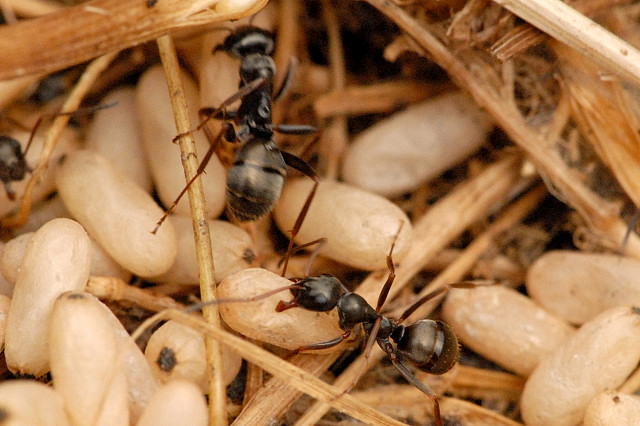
(100, 27)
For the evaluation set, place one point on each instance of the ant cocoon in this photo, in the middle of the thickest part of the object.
(599, 356)
(86, 366)
(116, 212)
(577, 286)
(505, 326)
(116, 134)
(102, 265)
(158, 128)
(428, 138)
(232, 252)
(28, 402)
(91, 355)
(613, 408)
(337, 214)
(260, 321)
(13, 254)
(66, 247)
(176, 351)
(5, 303)
(177, 402)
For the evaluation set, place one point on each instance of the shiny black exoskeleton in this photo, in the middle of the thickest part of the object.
(256, 178)
(13, 166)
(429, 345)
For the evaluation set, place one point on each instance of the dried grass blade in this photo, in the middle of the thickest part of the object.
(565, 24)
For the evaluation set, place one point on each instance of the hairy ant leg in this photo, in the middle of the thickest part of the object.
(320, 242)
(302, 166)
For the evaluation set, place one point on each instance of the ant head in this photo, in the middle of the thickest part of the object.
(432, 346)
(318, 294)
(10, 149)
(247, 40)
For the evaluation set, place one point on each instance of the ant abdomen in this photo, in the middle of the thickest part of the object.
(255, 180)
(430, 345)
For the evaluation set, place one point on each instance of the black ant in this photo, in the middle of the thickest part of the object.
(13, 166)
(430, 345)
(256, 178)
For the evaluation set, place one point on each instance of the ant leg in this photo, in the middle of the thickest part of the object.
(302, 166)
(201, 167)
(392, 273)
(415, 382)
(244, 91)
(465, 284)
(321, 345)
(320, 242)
(294, 129)
(199, 306)
(365, 354)
(288, 79)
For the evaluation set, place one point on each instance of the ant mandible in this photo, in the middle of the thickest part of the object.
(256, 178)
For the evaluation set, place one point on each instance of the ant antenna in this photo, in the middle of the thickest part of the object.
(80, 111)
(320, 242)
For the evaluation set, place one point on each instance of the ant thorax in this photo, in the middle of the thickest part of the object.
(256, 66)
(353, 310)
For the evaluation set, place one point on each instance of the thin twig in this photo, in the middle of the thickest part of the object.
(204, 254)
(600, 215)
(334, 136)
(565, 24)
(114, 289)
